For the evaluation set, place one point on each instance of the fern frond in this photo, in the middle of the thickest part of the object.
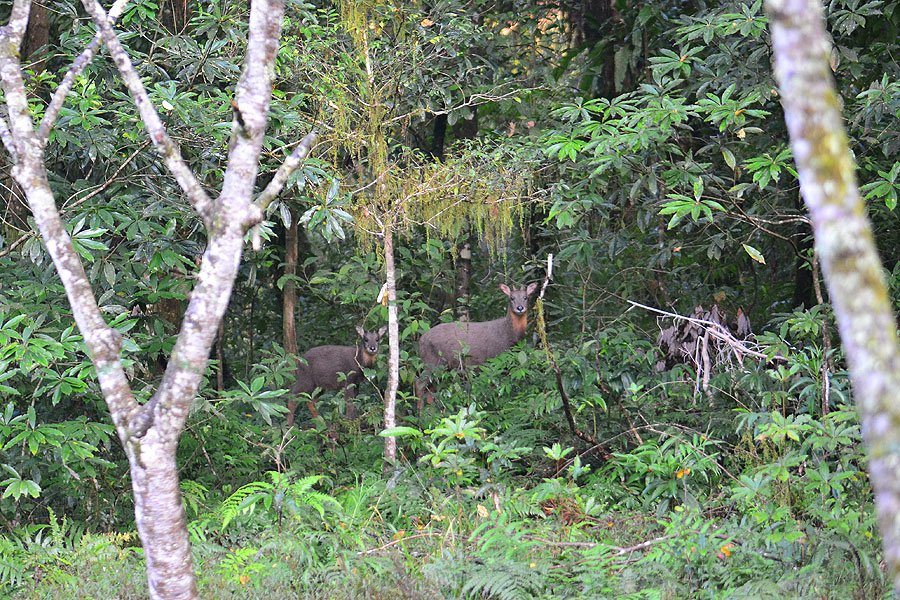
(243, 500)
(301, 486)
(504, 580)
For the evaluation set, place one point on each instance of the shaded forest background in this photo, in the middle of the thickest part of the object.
(642, 146)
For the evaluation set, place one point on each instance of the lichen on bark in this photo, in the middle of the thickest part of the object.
(845, 244)
(150, 432)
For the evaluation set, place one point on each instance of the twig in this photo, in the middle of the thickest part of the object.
(284, 172)
(164, 144)
(567, 406)
(642, 545)
(65, 86)
(715, 329)
(111, 179)
(16, 244)
(400, 541)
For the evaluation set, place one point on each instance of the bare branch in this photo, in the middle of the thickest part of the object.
(29, 171)
(168, 409)
(108, 182)
(164, 144)
(541, 326)
(287, 168)
(251, 105)
(473, 100)
(15, 244)
(400, 541)
(715, 329)
(65, 86)
(8, 140)
(642, 545)
(14, 31)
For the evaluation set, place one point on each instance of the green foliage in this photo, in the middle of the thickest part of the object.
(647, 153)
(282, 495)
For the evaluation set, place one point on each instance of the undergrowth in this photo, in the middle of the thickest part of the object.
(761, 494)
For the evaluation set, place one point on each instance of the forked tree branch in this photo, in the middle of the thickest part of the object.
(29, 171)
(168, 409)
(285, 171)
(150, 434)
(251, 104)
(164, 144)
(78, 65)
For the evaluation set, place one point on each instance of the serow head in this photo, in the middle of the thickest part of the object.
(369, 339)
(518, 299)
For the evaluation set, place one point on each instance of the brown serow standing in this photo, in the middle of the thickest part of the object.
(460, 344)
(324, 363)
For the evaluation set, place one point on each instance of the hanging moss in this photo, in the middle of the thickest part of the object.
(470, 191)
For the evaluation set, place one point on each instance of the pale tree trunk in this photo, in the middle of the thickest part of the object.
(150, 432)
(390, 394)
(846, 246)
(220, 357)
(463, 277)
(289, 300)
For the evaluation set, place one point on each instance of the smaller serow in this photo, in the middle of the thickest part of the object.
(324, 363)
(458, 345)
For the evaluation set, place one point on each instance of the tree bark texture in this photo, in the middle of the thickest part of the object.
(37, 35)
(846, 246)
(463, 277)
(176, 14)
(390, 394)
(595, 15)
(220, 357)
(289, 300)
(150, 433)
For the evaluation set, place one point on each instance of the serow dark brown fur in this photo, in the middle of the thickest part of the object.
(458, 345)
(322, 367)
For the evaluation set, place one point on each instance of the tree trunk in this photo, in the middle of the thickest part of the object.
(175, 15)
(390, 395)
(803, 277)
(463, 276)
(846, 246)
(37, 36)
(250, 358)
(439, 137)
(150, 433)
(160, 519)
(220, 357)
(596, 14)
(289, 303)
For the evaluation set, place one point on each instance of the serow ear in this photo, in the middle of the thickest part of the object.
(531, 288)
(382, 330)
(360, 331)
(505, 289)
